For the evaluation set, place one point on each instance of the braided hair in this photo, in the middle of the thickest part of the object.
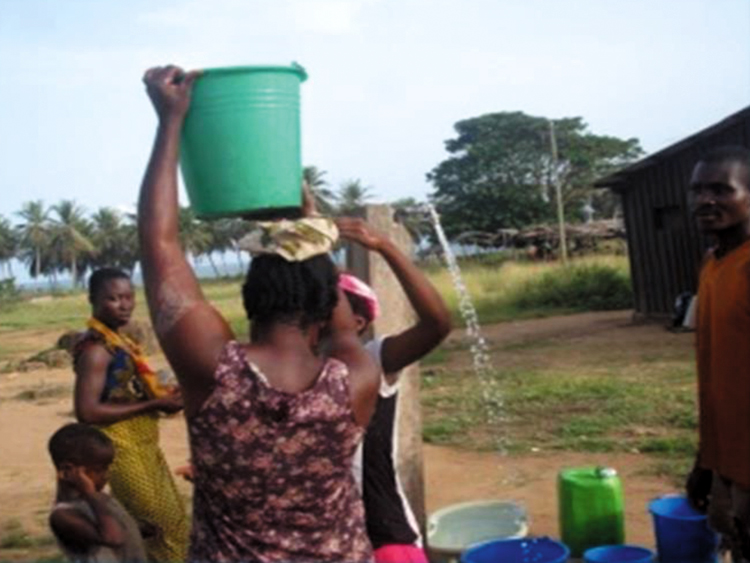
(301, 293)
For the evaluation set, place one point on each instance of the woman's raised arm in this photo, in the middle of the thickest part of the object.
(191, 332)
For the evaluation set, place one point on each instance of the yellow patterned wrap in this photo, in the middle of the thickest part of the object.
(114, 340)
(141, 480)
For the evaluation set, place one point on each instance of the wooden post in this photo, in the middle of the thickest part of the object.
(396, 316)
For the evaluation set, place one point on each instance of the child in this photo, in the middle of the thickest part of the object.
(90, 526)
(391, 525)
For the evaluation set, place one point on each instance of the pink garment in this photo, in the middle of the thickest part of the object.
(355, 286)
(273, 478)
(400, 553)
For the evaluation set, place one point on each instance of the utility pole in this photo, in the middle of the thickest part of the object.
(558, 193)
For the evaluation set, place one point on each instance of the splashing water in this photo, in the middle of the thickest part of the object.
(482, 365)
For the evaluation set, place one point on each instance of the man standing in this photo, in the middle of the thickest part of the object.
(720, 481)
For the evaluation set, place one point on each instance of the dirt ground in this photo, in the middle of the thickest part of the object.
(34, 404)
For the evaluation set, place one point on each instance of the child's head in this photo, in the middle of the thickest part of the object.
(278, 291)
(362, 299)
(80, 445)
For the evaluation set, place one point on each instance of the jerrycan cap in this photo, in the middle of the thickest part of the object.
(605, 472)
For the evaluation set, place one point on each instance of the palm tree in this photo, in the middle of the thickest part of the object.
(352, 197)
(8, 244)
(71, 237)
(222, 237)
(34, 234)
(114, 239)
(407, 212)
(324, 197)
(238, 228)
(194, 234)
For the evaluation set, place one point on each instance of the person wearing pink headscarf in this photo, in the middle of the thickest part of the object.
(391, 525)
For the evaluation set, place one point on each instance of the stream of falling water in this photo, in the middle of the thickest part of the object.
(482, 363)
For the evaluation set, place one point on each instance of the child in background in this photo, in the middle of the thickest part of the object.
(90, 526)
(391, 525)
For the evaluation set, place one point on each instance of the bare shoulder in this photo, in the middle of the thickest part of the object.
(94, 355)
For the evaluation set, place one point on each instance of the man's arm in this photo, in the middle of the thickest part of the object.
(433, 319)
(191, 332)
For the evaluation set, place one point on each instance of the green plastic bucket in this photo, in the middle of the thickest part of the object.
(240, 152)
(591, 508)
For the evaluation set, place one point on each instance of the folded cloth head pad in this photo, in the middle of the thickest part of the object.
(293, 240)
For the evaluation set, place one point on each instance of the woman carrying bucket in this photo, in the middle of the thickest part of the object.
(273, 424)
(391, 524)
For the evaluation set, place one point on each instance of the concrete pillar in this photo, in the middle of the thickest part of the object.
(396, 316)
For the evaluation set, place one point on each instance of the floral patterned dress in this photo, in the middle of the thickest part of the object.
(273, 478)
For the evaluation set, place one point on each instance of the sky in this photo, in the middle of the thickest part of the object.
(387, 78)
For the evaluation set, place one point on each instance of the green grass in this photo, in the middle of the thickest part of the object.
(523, 290)
(436, 357)
(564, 410)
(14, 536)
(65, 312)
(569, 393)
(501, 289)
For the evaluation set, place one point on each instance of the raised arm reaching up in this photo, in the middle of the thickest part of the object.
(433, 318)
(191, 332)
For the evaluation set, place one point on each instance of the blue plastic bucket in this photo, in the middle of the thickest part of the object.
(618, 554)
(682, 533)
(527, 550)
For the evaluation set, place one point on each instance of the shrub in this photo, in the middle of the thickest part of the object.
(9, 293)
(593, 287)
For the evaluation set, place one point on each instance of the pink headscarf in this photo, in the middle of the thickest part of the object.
(355, 286)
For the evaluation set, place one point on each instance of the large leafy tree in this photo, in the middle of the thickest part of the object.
(500, 172)
(34, 233)
(70, 237)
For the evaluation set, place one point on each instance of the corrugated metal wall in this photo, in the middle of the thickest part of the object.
(664, 245)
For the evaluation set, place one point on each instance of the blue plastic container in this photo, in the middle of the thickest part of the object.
(527, 550)
(618, 554)
(682, 533)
